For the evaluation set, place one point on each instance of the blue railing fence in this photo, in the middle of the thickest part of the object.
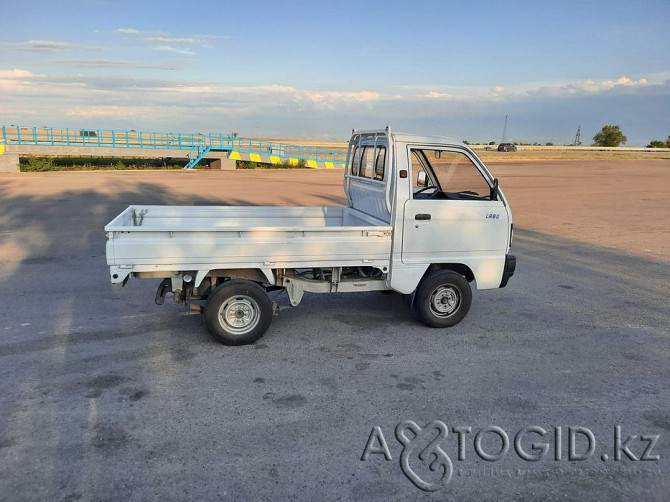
(18, 135)
(244, 145)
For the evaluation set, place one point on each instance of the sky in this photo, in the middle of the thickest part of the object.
(315, 70)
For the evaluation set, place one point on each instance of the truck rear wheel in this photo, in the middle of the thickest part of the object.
(238, 312)
(443, 298)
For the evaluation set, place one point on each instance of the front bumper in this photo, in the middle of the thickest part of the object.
(508, 271)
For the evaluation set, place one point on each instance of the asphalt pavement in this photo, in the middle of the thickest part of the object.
(106, 396)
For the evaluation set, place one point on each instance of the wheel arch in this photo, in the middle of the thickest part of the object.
(259, 275)
(459, 268)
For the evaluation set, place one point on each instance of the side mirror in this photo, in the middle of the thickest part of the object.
(494, 189)
(422, 179)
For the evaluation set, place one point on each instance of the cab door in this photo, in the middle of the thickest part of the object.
(451, 214)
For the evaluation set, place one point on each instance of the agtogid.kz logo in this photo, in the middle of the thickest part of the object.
(426, 463)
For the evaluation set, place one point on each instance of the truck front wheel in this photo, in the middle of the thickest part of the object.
(238, 312)
(443, 298)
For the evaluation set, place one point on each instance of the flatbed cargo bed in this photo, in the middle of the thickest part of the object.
(153, 238)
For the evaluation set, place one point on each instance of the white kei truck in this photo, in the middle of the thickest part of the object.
(424, 218)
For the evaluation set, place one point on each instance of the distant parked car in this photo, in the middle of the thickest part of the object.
(507, 147)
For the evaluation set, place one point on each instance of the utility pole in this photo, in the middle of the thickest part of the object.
(578, 137)
(504, 137)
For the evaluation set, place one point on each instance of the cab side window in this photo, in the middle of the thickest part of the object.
(451, 175)
(418, 166)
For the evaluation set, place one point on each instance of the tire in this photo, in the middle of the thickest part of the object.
(443, 299)
(238, 312)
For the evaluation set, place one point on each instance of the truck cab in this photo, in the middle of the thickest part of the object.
(446, 209)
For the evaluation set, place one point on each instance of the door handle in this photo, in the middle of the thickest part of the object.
(422, 216)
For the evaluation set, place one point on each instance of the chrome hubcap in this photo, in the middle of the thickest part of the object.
(239, 315)
(445, 301)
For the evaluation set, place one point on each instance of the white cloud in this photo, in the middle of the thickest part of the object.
(185, 89)
(46, 46)
(438, 95)
(580, 87)
(202, 94)
(102, 96)
(658, 78)
(133, 100)
(16, 73)
(169, 48)
(331, 98)
(16, 80)
(523, 91)
(281, 89)
(277, 95)
(19, 83)
(594, 86)
(109, 111)
(107, 63)
(625, 81)
(175, 41)
(161, 41)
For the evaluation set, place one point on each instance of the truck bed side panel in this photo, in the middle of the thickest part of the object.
(305, 237)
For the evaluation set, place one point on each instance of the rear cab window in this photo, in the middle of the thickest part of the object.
(369, 162)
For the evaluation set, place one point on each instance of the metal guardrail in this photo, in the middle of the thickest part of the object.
(287, 150)
(17, 135)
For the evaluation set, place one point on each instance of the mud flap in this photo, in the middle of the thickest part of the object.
(508, 271)
(163, 289)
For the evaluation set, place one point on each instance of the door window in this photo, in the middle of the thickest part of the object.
(447, 175)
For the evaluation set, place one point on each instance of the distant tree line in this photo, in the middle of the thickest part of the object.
(608, 136)
(659, 143)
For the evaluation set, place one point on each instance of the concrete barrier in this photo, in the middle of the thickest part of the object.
(9, 160)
